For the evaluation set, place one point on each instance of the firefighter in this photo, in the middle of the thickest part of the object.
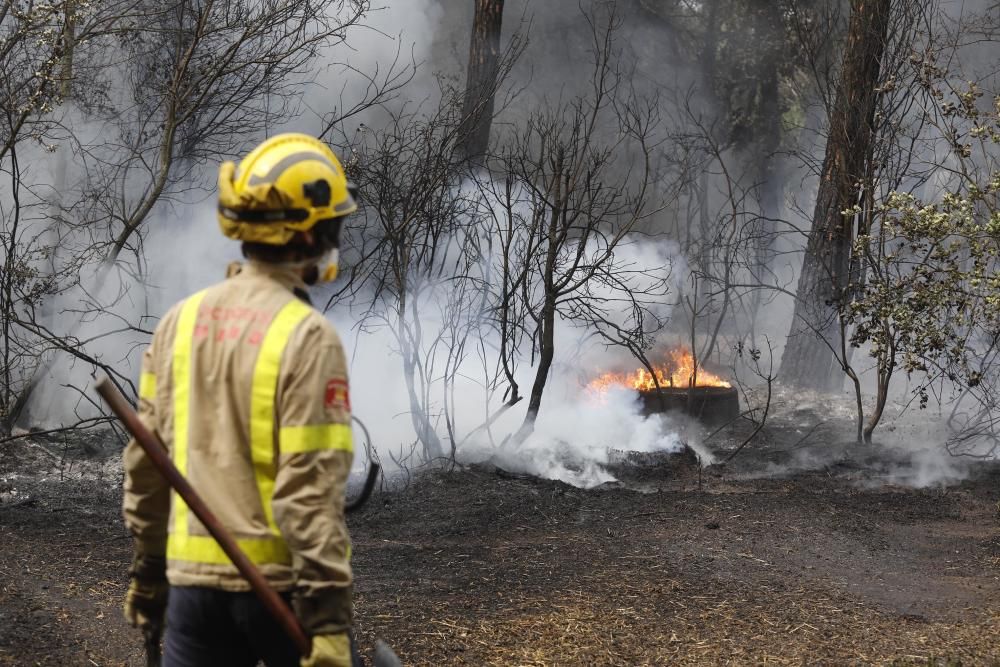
(246, 385)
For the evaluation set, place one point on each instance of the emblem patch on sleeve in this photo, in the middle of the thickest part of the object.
(337, 397)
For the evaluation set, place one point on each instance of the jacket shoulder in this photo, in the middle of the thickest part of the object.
(314, 350)
(317, 330)
(168, 323)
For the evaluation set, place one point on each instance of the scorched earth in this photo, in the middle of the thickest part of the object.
(775, 558)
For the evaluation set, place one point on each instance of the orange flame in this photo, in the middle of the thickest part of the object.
(678, 372)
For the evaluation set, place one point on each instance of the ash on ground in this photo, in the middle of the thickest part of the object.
(806, 432)
(650, 471)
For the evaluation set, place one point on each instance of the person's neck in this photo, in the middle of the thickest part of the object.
(289, 274)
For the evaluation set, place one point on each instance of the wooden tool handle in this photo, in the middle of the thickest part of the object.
(157, 453)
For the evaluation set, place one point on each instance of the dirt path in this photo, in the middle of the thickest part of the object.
(476, 568)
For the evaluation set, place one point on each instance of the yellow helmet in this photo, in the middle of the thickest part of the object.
(286, 185)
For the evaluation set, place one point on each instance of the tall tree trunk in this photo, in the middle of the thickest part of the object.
(481, 80)
(68, 47)
(809, 360)
(547, 319)
(547, 324)
(409, 346)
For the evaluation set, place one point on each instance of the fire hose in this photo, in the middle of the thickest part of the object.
(157, 453)
(373, 470)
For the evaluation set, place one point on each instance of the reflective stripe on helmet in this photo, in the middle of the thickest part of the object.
(181, 545)
(284, 187)
(346, 206)
(275, 172)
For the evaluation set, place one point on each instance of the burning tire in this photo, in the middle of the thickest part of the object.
(713, 406)
(712, 400)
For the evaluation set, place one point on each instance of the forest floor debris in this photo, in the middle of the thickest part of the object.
(476, 568)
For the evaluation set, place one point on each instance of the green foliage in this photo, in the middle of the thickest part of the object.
(928, 296)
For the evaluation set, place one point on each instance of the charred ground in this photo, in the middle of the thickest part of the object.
(827, 566)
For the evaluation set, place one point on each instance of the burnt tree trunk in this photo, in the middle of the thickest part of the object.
(546, 323)
(481, 79)
(546, 354)
(809, 360)
(556, 214)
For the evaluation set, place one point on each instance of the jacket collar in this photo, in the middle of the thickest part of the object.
(288, 276)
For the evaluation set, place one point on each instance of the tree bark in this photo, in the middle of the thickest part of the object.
(481, 79)
(547, 321)
(809, 360)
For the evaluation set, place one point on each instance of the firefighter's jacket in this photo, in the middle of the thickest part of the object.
(246, 385)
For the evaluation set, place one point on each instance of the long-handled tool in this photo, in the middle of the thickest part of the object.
(157, 453)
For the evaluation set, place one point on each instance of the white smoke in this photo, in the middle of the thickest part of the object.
(183, 249)
(184, 253)
(575, 431)
(390, 46)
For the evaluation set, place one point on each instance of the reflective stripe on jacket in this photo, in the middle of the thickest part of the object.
(247, 387)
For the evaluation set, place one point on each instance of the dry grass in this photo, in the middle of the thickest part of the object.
(667, 623)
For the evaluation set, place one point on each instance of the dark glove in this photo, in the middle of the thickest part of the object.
(328, 612)
(146, 599)
(326, 616)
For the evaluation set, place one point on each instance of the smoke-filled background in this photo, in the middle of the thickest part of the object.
(802, 194)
